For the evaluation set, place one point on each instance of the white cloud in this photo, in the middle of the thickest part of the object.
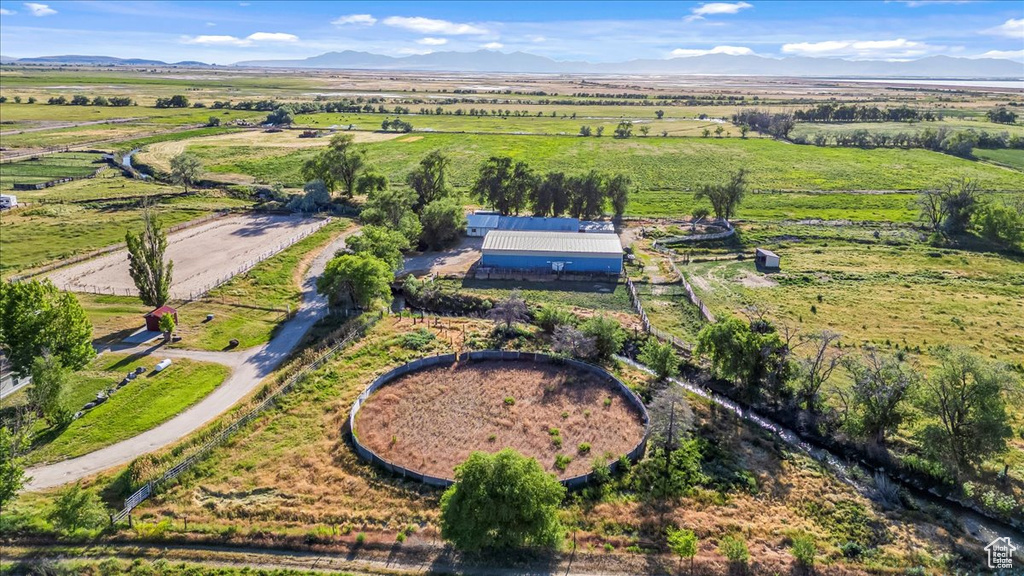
(432, 41)
(538, 39)
(223, 40)
(730, 50)
(211, 24)
(868, 49)
(413, 51)
(272, 37)
(920, 3)
(361, 19)
(1012, 28)
(1007, 54)
(493, 46)
(712, 8)
(431, 26)
(6, 12)
(39, 9)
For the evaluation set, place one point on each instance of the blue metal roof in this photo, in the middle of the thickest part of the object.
(539, 224)
(482, 221)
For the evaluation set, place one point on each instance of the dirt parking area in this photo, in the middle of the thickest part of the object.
(203, 255)
(431, 420)
(454, 261)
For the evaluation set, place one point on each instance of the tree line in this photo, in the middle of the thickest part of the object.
(80, 100)
(958, 207)
(512, 187)
(832, 112)
(954, 142)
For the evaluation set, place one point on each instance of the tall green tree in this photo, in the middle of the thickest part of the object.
(960, 200)
(442, 222)
(501, 501)
(617, 191)
(608, 335)
(76, 508)
(12, 474)
(504, 185)
(965, 399)
(752, 354)
(382, 242)
(356, 281)
(35, 316)
(48, 393)
(146, 261)
(1001, 224)
(682, 542)
(586, 195)
(339, 165)
(882, 386)
(660, 357)
(430, 179)
(389, 207)
(550, 196)
(186, 170)
(725, 198)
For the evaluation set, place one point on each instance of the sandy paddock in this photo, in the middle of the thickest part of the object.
(202, 255)
(431, 420)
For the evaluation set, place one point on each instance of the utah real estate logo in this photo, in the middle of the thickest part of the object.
(1000, 553)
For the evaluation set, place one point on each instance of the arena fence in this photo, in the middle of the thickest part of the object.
(480, 356)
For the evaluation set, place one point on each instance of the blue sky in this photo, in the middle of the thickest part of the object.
(226, 32)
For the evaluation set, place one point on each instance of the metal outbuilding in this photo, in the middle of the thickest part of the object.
(480, 223)
(766, 259)
(552, 252)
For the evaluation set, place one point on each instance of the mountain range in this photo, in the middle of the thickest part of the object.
(521, 62)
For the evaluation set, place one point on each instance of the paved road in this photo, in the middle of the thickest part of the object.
(250, 367)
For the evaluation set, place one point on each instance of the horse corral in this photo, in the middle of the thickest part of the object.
(566, 415)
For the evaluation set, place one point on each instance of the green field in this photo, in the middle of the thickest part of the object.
(144, 403)
(49, 167)
(1008, 158)
(809, 129)
(41, 234)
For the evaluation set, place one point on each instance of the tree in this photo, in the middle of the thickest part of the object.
(624, 129)
(750, 354)
(660, 357)
(281, 116)
(504, 185)
(381, 242)
(682, 542)
(551, 317)
(599, 132)
(389, 207)
(617, 191)
(965, 399)
(816, 369)
(567, 339)
(734, 548)
(430, 179)
(76, 508)
(442, 222)
(48, 394)
(881, 386)
(585, 131)
(146, 261)
(549, 197)
(176, 101)
(213, 121)
(932, 208)
(167, 326)
(186, 170)
(339, 165)
(645, 130)
(959, 202)
(355, 281)
(501, 501)
(97, 101)
(659, 114)
(315, 198)
(35, 316)
(512, 310)
(607, 334)
(586, 195)
(79, 100)
(725, 198)
(719, 130)
(12, 474)
(1001, 224)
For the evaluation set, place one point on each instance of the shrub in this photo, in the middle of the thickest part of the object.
(734, 548)
(510, 401)
(661, 358)
(400, 537)
(551, 317)
(360, 538)
(562, 461)
(583, 448)
(609, 547)
(76, 508)
(804, 550)
(418, 339)
(607, 334)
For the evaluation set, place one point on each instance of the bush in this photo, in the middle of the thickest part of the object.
(583, 448)
(418, 339)
(76, 508)
(804, 550)
(660, 357)
(551, 317)
(562, 461)
(607, 334)
(734, 548)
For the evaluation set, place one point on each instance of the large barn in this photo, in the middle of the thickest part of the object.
(552, 252)
(480, 223)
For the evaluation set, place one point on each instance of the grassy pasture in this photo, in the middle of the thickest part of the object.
(144, 403)
(49, 167)
(1009, 158)
(809, 129)
(40, 234)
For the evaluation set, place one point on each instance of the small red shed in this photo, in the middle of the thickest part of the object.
(153, 318)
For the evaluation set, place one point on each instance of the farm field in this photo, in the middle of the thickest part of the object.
(431, 420)
(203, 255)
(809, 129)
(144, 403)
(46, 168)
(1009, 158)
(655, 165)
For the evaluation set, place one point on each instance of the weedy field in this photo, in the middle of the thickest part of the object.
(47, 168)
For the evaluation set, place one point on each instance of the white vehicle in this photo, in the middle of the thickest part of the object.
(8, 201)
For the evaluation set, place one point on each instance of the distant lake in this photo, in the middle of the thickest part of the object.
(1011, 84)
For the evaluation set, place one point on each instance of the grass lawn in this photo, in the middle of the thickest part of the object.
(608, 296)
(251, 306)
(113, 317)
(40, 234)
(144, 403)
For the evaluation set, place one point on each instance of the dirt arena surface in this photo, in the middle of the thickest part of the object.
(431, 420)
(202, 255)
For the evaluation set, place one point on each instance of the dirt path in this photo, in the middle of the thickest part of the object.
(250, 367)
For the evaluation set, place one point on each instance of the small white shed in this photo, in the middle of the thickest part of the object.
(766, 259)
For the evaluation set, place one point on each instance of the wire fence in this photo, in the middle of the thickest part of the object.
(634, 299)
(478, 356)
(173, 472)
